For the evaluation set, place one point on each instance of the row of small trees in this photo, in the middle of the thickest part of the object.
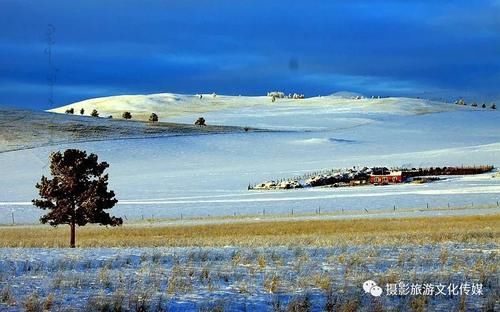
(474, 104)
(126, 115)
(72, 111)
(152, 118)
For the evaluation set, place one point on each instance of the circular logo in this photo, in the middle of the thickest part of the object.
(368, 285)
(376, 291)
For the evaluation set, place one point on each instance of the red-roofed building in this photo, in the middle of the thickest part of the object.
(391, 177)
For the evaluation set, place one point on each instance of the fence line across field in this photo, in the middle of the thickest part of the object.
(320, 210)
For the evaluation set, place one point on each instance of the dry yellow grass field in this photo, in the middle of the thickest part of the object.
(467, 229)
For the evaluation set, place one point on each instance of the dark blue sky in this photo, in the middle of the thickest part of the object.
(431, 49)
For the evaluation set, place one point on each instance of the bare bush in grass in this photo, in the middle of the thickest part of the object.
(48, 303)
(178, 282)
(300, 304)
(261, 261)
(33, 303)
(323, 282)
(443, 256)
(102, 303)
(351, 305)
(331, 302)
(140, 302)
(6, 296)
(104, 278)
(205, 274)
(345, 303)
(419, 303)
(217, 306)
(272, 284)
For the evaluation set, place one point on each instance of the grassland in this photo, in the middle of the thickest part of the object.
(316, 265)
(318, 233)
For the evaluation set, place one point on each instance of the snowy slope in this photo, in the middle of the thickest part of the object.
(168, 105)
(24, 129)
(208, 175)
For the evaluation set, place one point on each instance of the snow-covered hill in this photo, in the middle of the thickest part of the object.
(169, 105)
(201, 175)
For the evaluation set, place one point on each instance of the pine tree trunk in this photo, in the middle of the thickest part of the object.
(73, 224)
(72, 239)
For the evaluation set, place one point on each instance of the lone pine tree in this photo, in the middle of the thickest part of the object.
(127, 115)
(153, 117)
(78, 192)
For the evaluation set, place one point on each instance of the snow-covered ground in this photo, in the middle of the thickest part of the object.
(209, 174)
(248, 279)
